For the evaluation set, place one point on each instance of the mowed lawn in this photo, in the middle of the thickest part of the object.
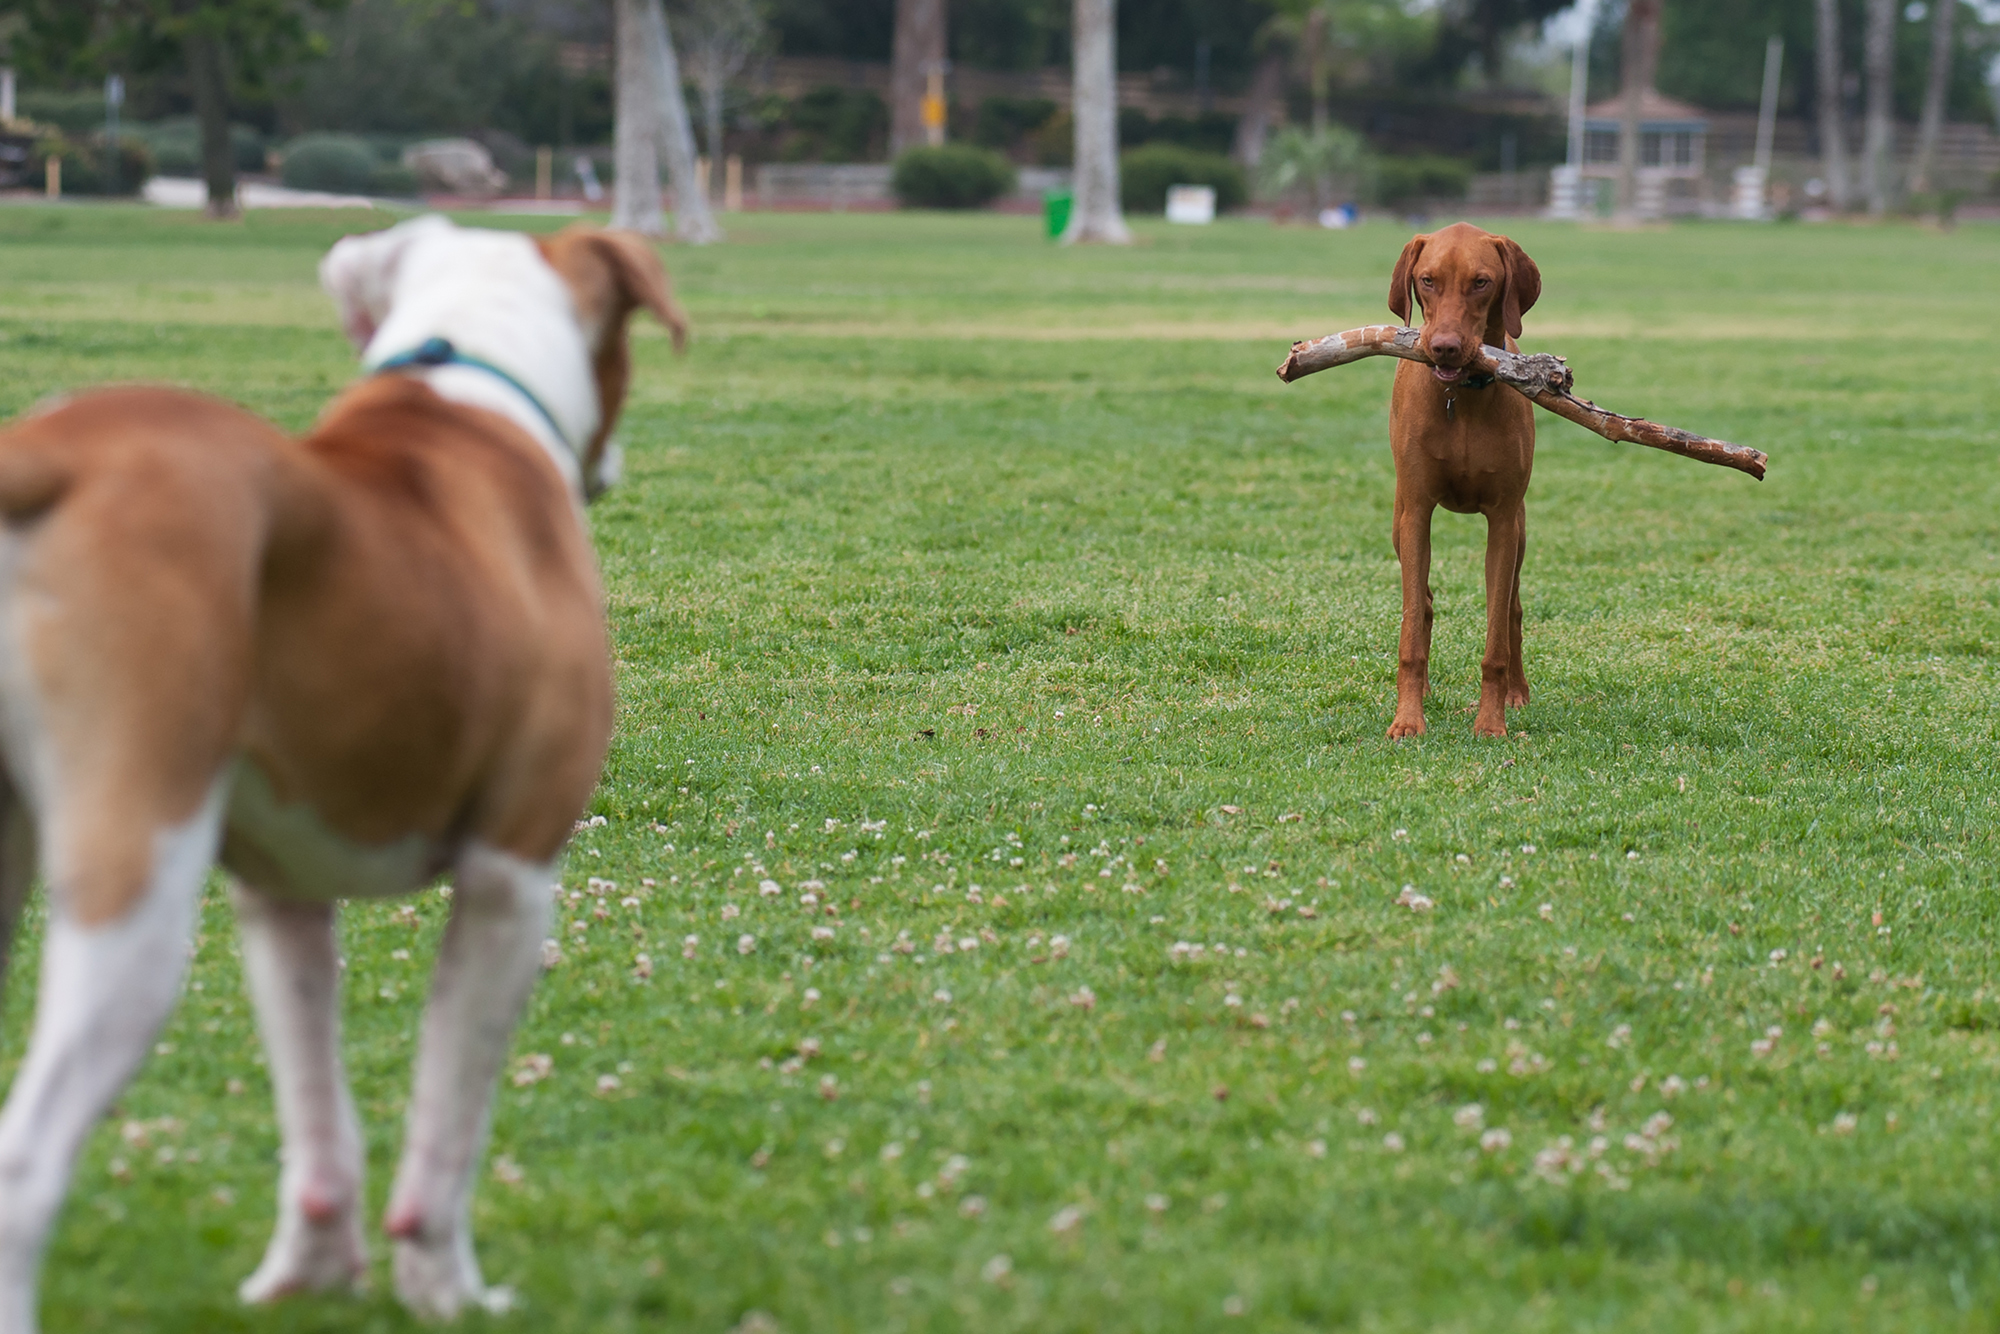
(997, 606)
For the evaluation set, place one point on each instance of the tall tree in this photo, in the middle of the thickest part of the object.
(1832, 124)
(1878, 139)
(694, 221)
(719, 37)
(1095, 214)
(1937, 83)
(635, 190)
(1640, 58)
(918, 52)
(225, 47)
(1267, 86)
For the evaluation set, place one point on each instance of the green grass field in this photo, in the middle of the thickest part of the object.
(1000, 597)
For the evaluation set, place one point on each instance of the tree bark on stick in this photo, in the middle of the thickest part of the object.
(1830, 75)
(211, 105)
(635, 192)
(1639, 59)
(1879, 56)
(1542, 377)
(918, 48)
(1095, 214)
(694, 222)
(1936, 83)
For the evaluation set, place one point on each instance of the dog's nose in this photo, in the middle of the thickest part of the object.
(1446, 346)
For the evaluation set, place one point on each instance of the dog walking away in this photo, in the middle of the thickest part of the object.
(341, 666)
(1466, 443)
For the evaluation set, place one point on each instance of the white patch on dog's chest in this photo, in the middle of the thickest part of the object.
(288, 851)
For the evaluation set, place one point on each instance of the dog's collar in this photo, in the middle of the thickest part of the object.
(434, 352)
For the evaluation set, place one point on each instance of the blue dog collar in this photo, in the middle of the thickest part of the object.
(434, 352)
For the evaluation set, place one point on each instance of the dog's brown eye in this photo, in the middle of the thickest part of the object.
(1425, 281)
(1481, 284)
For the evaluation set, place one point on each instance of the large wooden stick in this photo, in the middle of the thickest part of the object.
(1543, 377)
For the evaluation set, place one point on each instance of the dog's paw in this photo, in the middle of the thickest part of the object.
(1517, 695)
(1485, 726)
(309, 1257)
(437, 1279)
(1404, 727)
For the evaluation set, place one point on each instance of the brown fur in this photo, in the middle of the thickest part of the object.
(397, 619)
(1473, 287)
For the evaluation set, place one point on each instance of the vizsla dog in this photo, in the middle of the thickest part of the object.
(340, 666)
(1464, 444)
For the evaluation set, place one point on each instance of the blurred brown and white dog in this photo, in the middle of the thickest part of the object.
(340, 666)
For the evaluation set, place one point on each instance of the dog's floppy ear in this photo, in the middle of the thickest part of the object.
(1524, 285)
(359, 273)
(1399, 286)
(636, 277)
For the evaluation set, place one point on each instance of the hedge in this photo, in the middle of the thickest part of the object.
(953, 176)
(1145, 173)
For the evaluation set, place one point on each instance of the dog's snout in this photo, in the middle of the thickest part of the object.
(1447, 347)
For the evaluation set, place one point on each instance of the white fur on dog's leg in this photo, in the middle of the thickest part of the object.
(292, 959)
(486, 968)
(104, 992)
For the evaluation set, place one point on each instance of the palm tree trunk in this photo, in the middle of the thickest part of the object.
(693, 220)
(711, 115)
(1937, 81)
(1096, 215)
(1879, 57)
(635, 193)
(211, 106)
(1832, 133)
(1639, 58)
(918, 48)
(1266, 86)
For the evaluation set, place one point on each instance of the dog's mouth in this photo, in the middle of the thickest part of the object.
(1448, 374)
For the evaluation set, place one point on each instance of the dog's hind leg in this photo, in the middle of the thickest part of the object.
(486, 968)
(292, 959)
(106, 987)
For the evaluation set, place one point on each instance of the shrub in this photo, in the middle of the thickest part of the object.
(832, 124)
(85, 165)
(954, 176)
(176, 146)
(396, 180)
(1003, 122)
(340, 163)
(1297, 161)
(1145, 173)
(1410, 180)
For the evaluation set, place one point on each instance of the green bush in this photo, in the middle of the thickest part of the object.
(176, 146)
(85, 165)
(74, 113)
(954, 176)
(1334, 161)
(832, 124)
(394, 179)
(1409, 180)
(340, 163)
(1145, 173)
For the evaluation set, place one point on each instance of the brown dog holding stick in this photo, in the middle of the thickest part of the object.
(1465, 443)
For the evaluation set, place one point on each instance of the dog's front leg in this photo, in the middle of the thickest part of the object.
(1506, 535)
(1411, 535)
(486, 968)
(105, 989)
(292, 958)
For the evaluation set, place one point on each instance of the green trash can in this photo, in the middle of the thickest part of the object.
(1055, 212)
